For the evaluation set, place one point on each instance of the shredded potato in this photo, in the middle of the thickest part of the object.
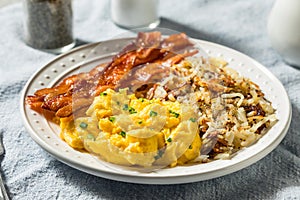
(232, 107)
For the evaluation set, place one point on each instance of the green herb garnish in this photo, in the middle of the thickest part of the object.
(103, 94)
(131, 110)
(90, 136)
(112, 119)
(169, 139)
(140, 122)
(190, 147)
(123, 134)
(83, 125)
(174, 113)
(193, 119)
(125, 107)
(141, 99)
(153, 113)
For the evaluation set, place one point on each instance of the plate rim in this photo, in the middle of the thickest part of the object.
(161, 179)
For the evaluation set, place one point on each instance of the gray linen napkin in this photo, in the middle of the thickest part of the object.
(31, 173)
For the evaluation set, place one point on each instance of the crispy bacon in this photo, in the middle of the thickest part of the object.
(75, 93)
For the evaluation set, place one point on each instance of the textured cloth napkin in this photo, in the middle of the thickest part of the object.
(31, 173)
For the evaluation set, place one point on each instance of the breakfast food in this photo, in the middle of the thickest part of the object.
(148, 48)
(127, 130)
(158, 103)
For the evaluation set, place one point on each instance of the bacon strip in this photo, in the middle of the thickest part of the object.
(75, 93)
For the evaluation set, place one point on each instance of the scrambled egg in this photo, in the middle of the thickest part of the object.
(125, 130)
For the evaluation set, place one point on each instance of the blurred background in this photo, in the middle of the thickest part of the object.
(5, 2)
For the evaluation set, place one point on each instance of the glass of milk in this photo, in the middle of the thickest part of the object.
(135, 13)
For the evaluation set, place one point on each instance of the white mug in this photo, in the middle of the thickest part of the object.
(284, 30)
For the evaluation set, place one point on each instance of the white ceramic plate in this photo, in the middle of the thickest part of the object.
(46, 134)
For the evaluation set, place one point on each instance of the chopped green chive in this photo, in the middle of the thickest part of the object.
(118, 103)
(83, 125)
(90, 136)
(193, 119)
(123, 134)
(174, 113)
(112, 119)
(153, 113)
(140, 122)
(103, 94)
(190, 147)
(169, 139)
(131, 110)
(125, 107)
(141, 99)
